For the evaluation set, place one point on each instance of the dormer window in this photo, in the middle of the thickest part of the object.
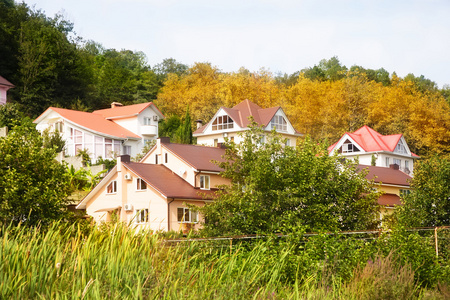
(204, 182)
(278, 123)
(348, 147)
(222, 122)
(400, 148)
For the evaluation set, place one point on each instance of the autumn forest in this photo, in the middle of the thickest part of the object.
(51, 66)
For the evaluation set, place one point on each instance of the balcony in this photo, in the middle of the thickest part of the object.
(149, 130)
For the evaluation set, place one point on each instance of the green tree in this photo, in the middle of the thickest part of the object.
(34, 186)
(429, 202)
(10, 115)
(186, 129)
(169, 126)
(275, 188)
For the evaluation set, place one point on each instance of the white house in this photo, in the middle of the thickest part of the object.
(366, 145)
(5, 85)
(229, 122)
(104, 133)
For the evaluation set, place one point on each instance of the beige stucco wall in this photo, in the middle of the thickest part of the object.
(174, 205)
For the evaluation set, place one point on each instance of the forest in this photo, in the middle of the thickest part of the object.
(51, 66)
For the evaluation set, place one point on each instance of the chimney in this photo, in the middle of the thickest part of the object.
(164, 140)
(116, 104)
(125, 158)
(394, 166)
(199, 123)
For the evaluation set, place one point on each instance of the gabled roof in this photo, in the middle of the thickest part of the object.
(125, 111)
(371, 141)
(5, 82)
(198, 157)
(242, 111)
(389, 176)
(166, 182)
(90, 121)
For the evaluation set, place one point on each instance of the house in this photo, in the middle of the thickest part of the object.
(373, 148)
(104, 133)
(392, 182)
(229, 122)
(154, 193)
(5, 85)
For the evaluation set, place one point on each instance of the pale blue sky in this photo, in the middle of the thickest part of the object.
(278, 35)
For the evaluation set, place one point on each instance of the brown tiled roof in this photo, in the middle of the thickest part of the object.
(167, 183)
(386, 175)
(242, 111)
(3, 81)
(124, 111)
(94, 122)
(199, 157)
(389, 200)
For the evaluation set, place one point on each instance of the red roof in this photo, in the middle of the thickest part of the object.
(242, 111)
(167, 183)
(385, 175)
(3, 81)
(389, 200)
(124, 111)
(93, 122)
(199, 157)
(371, 141)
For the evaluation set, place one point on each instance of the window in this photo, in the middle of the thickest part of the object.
(387, 161)
(348, 147)
(288, 142)
(185, 215)
(397, 162)
(400, 148)
(216, 141)
(278, 123)
(59, 126)
(141, 185)
(404, 192)
(407, 165)
(222, 122)
(166, 157)
(127, 150)
(108, 148)
(142, 215)
(204, 182)
(147, 121)
(112, 187)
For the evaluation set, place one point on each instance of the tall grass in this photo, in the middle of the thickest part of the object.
(115, 262)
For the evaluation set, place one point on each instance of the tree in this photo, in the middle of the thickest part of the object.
(275, 188)
(34, 186)
(428, 204)
(186, 129)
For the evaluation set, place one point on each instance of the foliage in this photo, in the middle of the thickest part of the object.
(85, 157)
(168, 126)
(184, 132)
(148, 146)
(83, 178)
(10, 115)
(34, 185)
(274, 187)
(109, 163)
(53, 139)
(428, 204)
(79, 261)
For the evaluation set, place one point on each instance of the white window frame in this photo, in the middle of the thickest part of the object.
(186, 215)
(141, 185)
(397, 161)
(387, 162)
(113, 185)
(142, 216)
(400, 148)
(205, 182)
(147, 121)
(127, 150)
(222, 122)
(278, 123)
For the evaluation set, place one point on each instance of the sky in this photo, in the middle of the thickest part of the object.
(281, 36)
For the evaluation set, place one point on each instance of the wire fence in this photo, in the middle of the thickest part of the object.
(439, 236)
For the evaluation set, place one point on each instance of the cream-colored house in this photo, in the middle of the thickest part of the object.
(104, 133)
(154, 193)
(229, 122)
(392, 182)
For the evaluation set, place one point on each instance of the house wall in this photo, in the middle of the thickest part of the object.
(3, 90)
(174, 205)
(215, 180)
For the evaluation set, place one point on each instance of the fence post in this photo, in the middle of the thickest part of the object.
(436, 241)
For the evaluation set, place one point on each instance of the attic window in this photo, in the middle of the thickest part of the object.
(140, 185)
(278, 123)
(112, 187)
(348, 147)
(400, 148)
(222, 122)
